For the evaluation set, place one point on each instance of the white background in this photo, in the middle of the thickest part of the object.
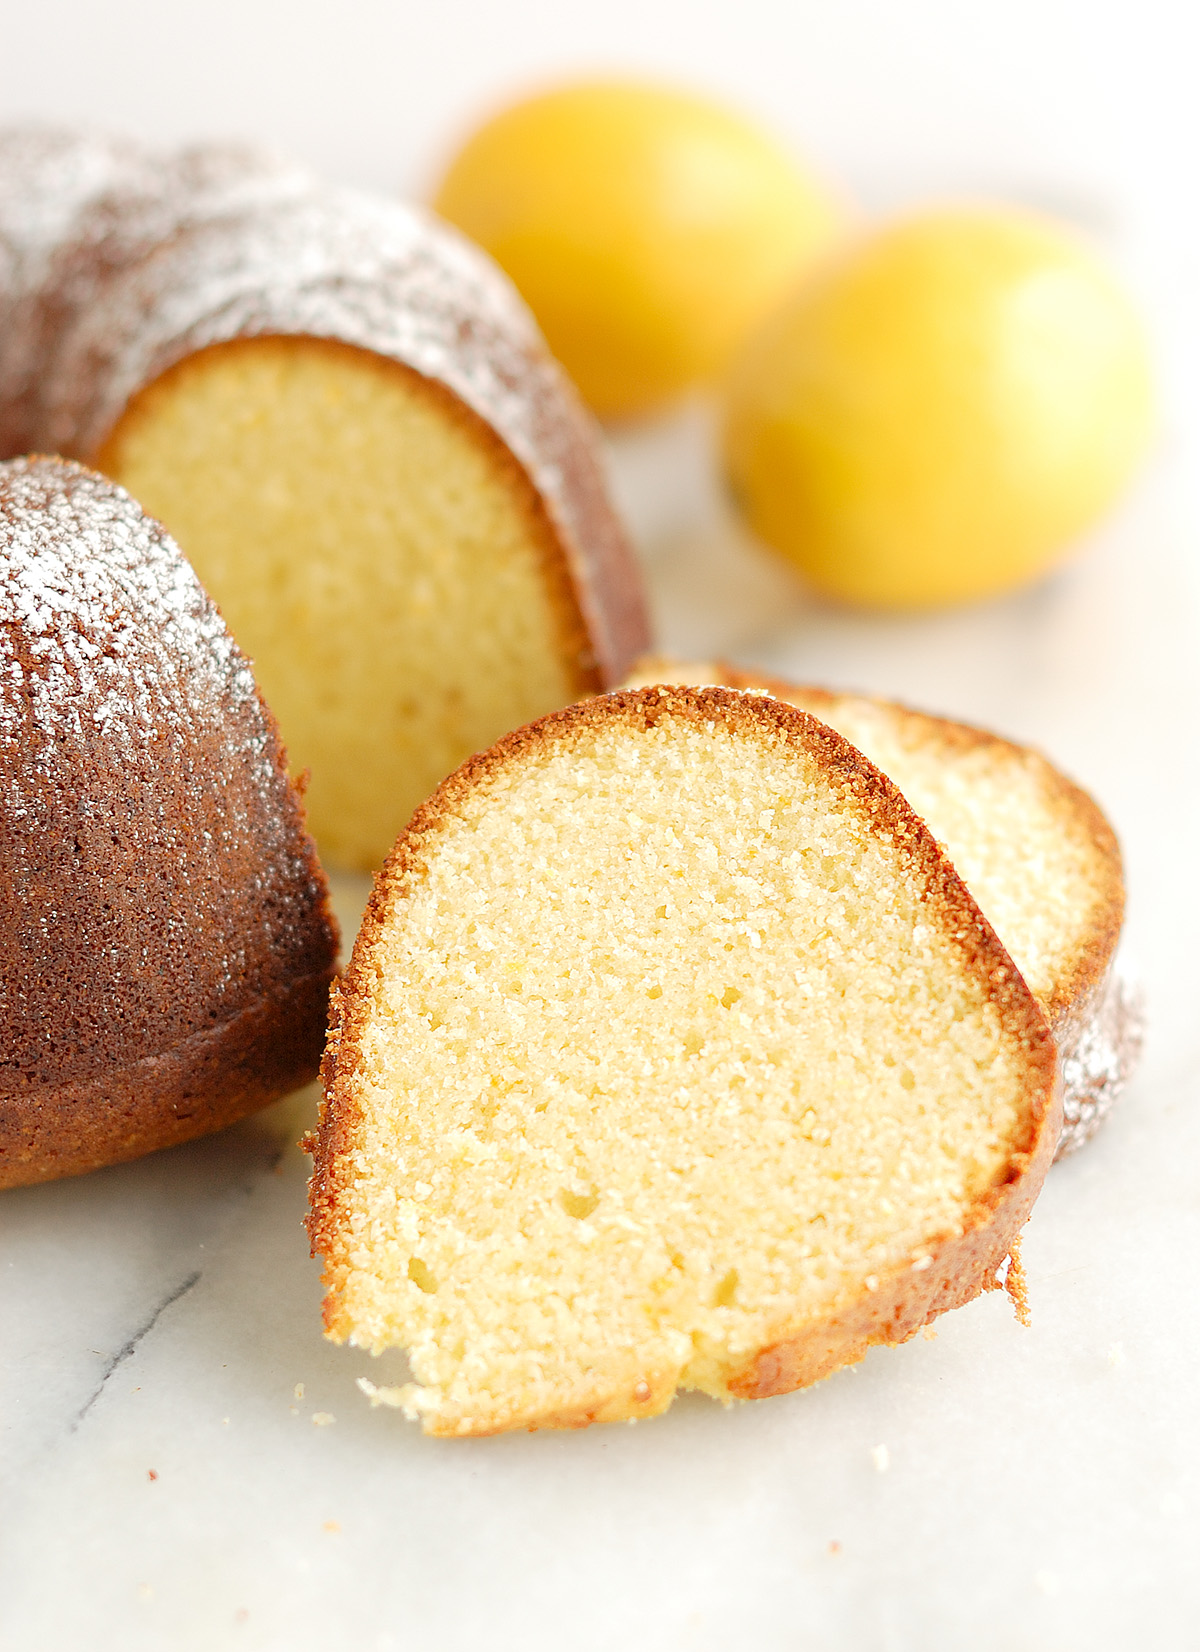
(1042, 1491)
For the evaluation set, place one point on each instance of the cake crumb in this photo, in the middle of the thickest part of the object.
(882, 1458)
(834, 1546)
(928, 1332)
(323, 1418)
(331, 1526)
(298, 1391)
(152, 1473)
(1016, 1285)
(1046, 1582)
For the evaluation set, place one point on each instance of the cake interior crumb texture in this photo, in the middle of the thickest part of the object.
(667, 1044)
(375, 550)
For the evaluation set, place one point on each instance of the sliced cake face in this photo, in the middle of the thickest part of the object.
(378, 553)
(669, 1040)
(166, 945)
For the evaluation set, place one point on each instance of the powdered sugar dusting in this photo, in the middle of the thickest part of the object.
(336, 264)
(1097, 1066)
(77, 211)
(157, 879)
(105, 632)
(49, 181)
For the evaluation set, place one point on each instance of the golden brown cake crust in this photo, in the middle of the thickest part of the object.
(960, 1269)
(957, 1268)
(209, 1081)
(167, 940)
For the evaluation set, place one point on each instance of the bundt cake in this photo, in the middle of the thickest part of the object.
(673, 1054)
(1033, 848)
(166, 945)
(347, 419)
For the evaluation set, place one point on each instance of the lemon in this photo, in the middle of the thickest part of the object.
(648, 230)
(940, 414)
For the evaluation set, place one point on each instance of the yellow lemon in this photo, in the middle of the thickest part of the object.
(648, 231)
(939, 414)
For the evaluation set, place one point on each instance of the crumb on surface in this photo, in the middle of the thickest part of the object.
(1016, 1285)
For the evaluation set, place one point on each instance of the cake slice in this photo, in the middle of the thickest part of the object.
(1034, 849)
(673, 1054)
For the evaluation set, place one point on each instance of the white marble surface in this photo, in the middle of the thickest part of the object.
(162, 1483)
(1042, 1485)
